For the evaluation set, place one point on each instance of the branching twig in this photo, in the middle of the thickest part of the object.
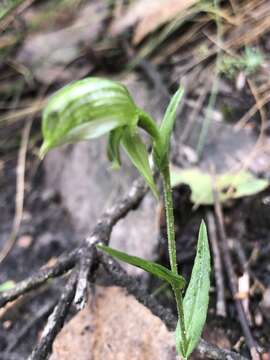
(56, 321)
(101, 232)
(85, 267)
(63, 264)
(84, 258)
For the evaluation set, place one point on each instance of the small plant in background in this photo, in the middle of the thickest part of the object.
(249, 63)
(92, 107)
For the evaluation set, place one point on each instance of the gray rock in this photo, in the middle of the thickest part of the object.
(49, 54)
(228, 149)
(115, 327)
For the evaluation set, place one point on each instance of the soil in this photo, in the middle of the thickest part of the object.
(49, 225)
(48, 228)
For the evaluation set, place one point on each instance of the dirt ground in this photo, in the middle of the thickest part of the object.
(48, 207)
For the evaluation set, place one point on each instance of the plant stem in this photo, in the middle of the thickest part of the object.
(149, 125)
(167, 189)
(172, 249)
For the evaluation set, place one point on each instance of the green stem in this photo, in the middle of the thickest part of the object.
(181, 317)
(172, 249)
(149, 125)
(167, 189)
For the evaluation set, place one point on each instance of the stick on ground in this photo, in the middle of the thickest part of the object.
(77, 284)
(219, 271)
(232, 278)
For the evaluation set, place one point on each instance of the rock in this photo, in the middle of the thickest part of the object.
(81, 174)
(115, 326)
(49, 54)
(227, 148)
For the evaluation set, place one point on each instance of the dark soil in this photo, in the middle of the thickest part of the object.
(49, 225)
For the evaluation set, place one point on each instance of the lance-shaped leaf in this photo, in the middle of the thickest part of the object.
(86, 109)
(197, 296)
(149, 266)
(113, 151)
(138, 154)
(161, 148)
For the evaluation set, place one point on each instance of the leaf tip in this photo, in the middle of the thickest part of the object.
(203, 226)
(180, 91)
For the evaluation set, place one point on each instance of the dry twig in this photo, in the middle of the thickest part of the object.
(221, 307)
(78, 280)
(19, 199)
(233, 280)
(55, 321)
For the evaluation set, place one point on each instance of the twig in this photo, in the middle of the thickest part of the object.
(19, 200)
(233, 280)
(121, 278)
(244, 262)
(20, 180)
(8, 17)
(102, 233)
(77, 285)
(66, 262)
(85, 266)
(63, 264)
(55, 321)
(251, 112)
(212, 352)
(221, 307)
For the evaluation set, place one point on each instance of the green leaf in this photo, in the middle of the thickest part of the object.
(7, 285)
(138, 154)
(196, 299)
(86, 109)
(231, 185)
(161, 149)
(153, 268)
(113, 145)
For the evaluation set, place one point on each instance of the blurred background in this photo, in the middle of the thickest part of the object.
(219, 52)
